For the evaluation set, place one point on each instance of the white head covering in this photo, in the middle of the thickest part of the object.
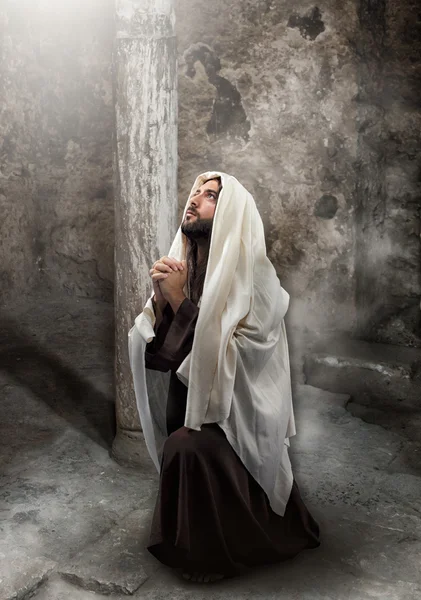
(238, 371)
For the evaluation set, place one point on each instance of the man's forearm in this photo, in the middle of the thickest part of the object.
(176, 299)
(161, 303)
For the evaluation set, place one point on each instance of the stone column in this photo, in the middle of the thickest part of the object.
(145, 168)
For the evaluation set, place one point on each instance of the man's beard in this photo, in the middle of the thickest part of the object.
(200, 229)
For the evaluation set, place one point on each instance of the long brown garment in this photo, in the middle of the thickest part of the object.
(211, 515)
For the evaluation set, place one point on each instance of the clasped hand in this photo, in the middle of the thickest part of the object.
(169, 277)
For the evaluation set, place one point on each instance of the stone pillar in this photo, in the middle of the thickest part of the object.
(145, 169)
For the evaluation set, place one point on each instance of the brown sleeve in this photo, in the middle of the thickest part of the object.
(174, 338)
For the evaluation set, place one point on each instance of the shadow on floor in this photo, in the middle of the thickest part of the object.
(67, 393)
(405, 421)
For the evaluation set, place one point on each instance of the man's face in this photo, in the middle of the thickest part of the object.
(202, 204)
(200, 211)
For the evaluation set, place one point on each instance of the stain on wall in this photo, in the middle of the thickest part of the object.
(330, 95)
(228, 116)
(314, 107)
(326, 207)
(292, 140)
(310, 25)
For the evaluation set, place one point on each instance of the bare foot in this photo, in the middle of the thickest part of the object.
(203, 577)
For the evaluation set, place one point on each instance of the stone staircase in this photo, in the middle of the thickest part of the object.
(384, 381)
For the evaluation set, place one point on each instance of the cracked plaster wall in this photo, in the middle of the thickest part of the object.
(284, 95)
(388, 171)
(56, 125)
(267, 93)
(314, 107)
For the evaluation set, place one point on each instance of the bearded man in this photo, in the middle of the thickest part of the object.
(218, 431)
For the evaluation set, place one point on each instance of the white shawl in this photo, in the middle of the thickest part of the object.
(238, 371)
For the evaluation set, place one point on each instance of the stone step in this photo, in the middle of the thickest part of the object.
(119, 562)
(21, 576)
(55, 588)
(373, 374)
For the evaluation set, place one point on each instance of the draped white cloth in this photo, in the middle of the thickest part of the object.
(238, 371)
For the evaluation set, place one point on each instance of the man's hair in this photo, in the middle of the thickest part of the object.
(218, 179)
(197, 272)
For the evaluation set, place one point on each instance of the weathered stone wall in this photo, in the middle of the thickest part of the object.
(18, 123)
(315, 108)
(56, 131)
(388, 180)
(267, 93)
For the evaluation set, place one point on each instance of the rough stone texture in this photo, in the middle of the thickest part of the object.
(19, 118)
(60, 489)
(377, 374)
(388, 202)
(296, 580)
(315, 108)
(26, 574)
(299, 580)
(64, 500)
(387, 174)
(145, 182)
(59, 589)
(384, 381)
(267, 93)
(119, 562)
(403, 420)
(56, 124)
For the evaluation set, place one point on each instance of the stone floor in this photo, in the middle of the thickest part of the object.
(74, 523)
(384, 380)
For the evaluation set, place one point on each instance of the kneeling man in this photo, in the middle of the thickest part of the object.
(219, 433)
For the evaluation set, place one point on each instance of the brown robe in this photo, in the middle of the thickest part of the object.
(211, 515)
